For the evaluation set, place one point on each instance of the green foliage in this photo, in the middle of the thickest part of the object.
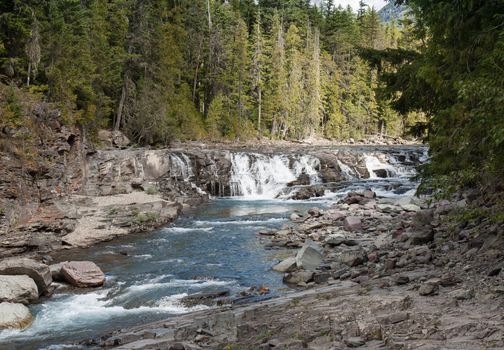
(456, 80)
(164, 70)
(147, 217)
(10, 108)
(151, 190)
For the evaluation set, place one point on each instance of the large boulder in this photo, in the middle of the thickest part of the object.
(309, 256)
(83, 274)
(18, 289)
(286, 265)
(37, 271)
(14, 316)
(352, 223)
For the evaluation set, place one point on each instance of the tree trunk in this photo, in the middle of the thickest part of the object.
(259, 109)
(120, 108)
(29, 74)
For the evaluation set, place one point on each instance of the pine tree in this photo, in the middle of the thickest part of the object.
(257, 69)
(277, 97)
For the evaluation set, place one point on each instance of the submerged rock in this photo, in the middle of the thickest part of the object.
(14, 316)
(18, 289)
(83, 274)
(38, 272)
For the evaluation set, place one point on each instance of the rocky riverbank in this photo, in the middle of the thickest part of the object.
(376, 273)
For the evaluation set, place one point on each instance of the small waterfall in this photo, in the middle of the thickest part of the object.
(379, 169)
(348, 172)
(180, 167)
(264, 176)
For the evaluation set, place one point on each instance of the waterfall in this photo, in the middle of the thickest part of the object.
(388, 166)
(348, 172)
(180, 167)
(378, 169)
(264, 176)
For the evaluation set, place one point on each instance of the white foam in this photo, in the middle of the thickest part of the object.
(143, 256)
(239, 222)
(187, 229)
(260, 176)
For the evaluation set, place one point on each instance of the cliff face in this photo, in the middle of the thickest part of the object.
(41, 161)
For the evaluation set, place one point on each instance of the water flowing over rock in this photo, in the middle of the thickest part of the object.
(260, 175)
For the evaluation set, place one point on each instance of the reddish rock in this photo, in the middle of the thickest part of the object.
(352, 223)
(83, 274)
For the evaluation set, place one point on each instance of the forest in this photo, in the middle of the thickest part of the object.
(163, 70)
(278, 69)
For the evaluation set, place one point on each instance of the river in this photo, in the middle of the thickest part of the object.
(213, 247)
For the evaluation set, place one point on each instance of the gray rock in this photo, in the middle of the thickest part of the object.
(428, 289)
(315, 212)
(402, 279)
(286, 265)
(393, 318)
(321, 277)
(309, 256)
(369, 194)
(352, 258)
(462, 294)
(352, 223)
(18, 289)
(423, 236)
(295, 216)
(296, 277)
(354, 342)
(83, 274)
(411, 207)
(38, 272)
(335, 239)
(14, 316)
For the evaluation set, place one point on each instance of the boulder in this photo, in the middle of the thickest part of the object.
(83, 274)
(353, 258)
(286, 265)
(315, 212)
(335, 239)
(462, 294)
(18, 289)
(309, 256)
(411, 208)
(423, 236)
(296, 277)
(37, 271)
(302, 180)
(308, 192)
(352, 223)
(14, 316)
(430, 287)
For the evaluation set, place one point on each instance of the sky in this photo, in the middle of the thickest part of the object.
(378, 4)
